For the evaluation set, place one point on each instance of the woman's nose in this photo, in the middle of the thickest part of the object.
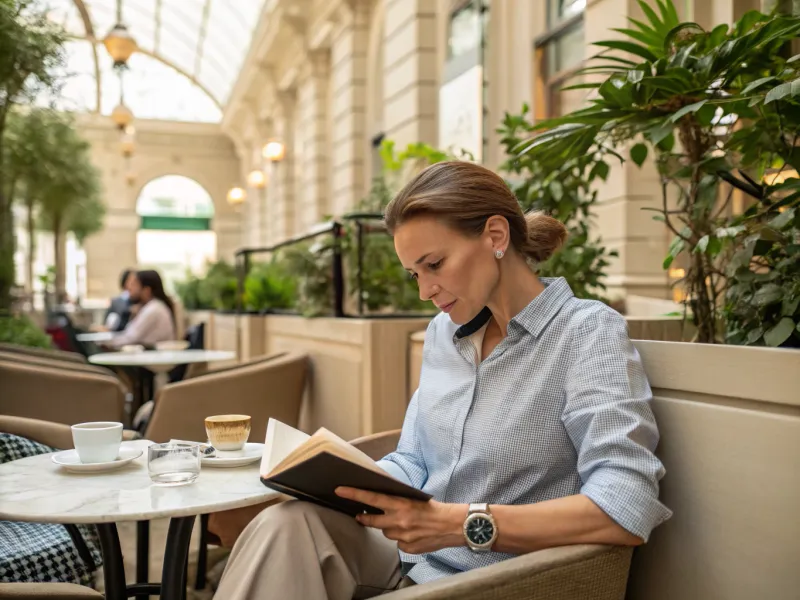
(427, 290)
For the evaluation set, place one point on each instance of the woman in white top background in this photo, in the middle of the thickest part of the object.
(155, 320)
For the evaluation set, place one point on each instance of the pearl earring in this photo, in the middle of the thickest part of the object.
(499, 254)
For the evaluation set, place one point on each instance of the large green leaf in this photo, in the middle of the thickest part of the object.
(675, 31)
(790, 88)
(630, 47)
(779, 333)
(639, 154)
(691, 108)
(650, 39)
(754, 85)
(659, 25)
(768, 294)
(668, 11)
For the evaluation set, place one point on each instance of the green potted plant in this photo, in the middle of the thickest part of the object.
(715, 110)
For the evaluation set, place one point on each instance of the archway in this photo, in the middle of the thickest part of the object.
(175, 234)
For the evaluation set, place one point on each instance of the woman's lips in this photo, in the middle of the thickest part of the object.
(446, 308)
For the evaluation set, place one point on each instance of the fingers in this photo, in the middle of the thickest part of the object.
(377, 521)
(381, 501)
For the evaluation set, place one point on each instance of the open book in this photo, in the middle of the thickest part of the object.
(312, 467)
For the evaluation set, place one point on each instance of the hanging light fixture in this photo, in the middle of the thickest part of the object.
(236, 196)
(127, 144)
(273, 151)
(257, 179)
(119, 42)
(122, 116)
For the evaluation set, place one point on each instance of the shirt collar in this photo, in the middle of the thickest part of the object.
(534, 317)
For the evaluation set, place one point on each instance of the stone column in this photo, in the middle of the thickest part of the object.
(641, 242)
(313, 119)
(280, 195)
(349, 141)
(410, 70)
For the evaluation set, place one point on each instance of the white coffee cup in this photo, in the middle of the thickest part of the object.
(98, 441)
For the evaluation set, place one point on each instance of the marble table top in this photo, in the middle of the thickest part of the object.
(149, 358)
(96, 336)
(36, 489)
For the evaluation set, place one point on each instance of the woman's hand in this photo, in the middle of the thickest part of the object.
(416, 526)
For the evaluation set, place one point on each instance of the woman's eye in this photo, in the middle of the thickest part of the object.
(435, 265)
(413, 276)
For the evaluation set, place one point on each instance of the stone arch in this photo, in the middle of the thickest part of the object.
(175, 196)
(202, 177)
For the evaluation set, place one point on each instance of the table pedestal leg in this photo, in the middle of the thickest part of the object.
(173, 575)
(113, 568)
(142, 553)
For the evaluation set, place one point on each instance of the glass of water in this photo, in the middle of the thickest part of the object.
(173, 464)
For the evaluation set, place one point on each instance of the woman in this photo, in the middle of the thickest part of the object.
(155, 319)
(530, 400)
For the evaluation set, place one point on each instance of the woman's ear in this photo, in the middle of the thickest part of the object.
(497, 232)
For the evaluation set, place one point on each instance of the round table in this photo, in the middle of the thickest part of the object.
(37, 490)
(159, 360)
(155, 361)
(96, 336)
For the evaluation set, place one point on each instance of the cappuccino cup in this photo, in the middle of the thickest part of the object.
(98, 441)
(228, 432)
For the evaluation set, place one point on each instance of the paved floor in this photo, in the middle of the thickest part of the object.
(158, 536)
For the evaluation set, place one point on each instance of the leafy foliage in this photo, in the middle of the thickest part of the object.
(384, 283)
(566, 194)
(268, 286)
(310, 263)
(31, 50)
(715, 109)
(216, 290)
(22, 331)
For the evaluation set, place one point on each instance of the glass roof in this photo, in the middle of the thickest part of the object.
(200, 45)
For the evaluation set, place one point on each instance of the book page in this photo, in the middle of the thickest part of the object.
(326, 441)
(280, 442)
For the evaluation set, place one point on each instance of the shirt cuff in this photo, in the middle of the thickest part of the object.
(395, 471)
(634, 509)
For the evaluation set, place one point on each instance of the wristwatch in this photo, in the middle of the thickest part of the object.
(480, 530)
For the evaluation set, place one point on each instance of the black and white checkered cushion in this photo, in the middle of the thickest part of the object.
(41, 552)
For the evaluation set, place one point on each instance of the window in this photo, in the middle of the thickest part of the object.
(558, 55)
(465, 30)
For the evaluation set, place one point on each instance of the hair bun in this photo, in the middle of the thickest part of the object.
(545, 236)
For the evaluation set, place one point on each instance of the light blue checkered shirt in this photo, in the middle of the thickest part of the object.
(560, 407)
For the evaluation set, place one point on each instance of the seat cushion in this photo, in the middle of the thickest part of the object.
(43, 552)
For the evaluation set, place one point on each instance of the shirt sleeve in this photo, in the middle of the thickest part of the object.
(406, 463)
(137, 328)
(608, 417)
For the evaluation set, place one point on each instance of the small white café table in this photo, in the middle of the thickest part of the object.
(159, 360)
(96, 336)
(35, 489)
(156, 361)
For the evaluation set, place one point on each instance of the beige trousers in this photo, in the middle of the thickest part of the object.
(300, 551)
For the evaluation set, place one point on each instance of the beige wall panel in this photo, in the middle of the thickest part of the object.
(415, 101)
(413, 69)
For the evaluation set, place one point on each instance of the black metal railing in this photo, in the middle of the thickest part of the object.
(365, 223)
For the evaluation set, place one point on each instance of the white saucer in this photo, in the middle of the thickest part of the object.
(70, 461)
(251, 453)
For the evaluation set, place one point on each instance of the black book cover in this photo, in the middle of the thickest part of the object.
(316, 479)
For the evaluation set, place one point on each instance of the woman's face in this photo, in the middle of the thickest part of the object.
(455, 272)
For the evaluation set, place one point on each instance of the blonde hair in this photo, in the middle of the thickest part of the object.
(464, 195)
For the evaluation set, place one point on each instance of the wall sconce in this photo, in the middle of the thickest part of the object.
(273, 151)
(257, 179)
(236, 196)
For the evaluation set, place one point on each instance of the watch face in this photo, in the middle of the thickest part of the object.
(480, 530)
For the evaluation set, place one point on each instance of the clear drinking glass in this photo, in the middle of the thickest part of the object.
(173, 464)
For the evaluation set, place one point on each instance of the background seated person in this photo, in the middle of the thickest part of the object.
(530, 400)
(155, 319)
(119, 311)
